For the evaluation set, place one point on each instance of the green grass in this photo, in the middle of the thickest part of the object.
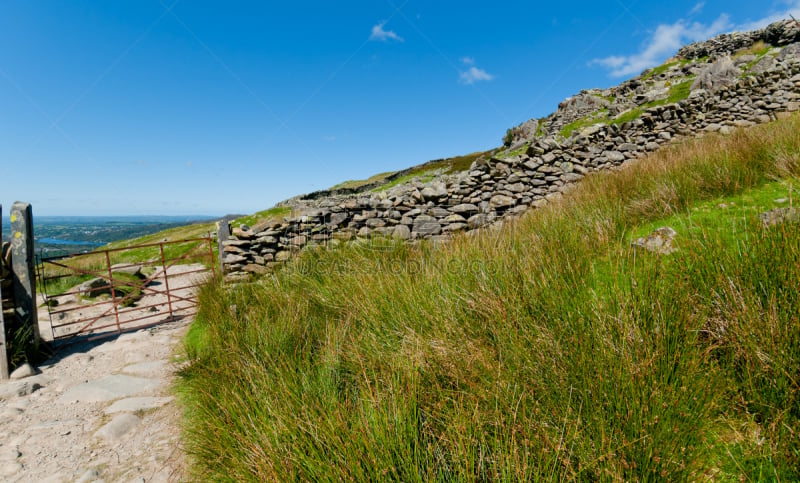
(630, 115)
(519, 151)
(680, 91)
(731, 216)
(428, 171)
(677, 93)
(656, 71)
(759, 49)
(355, 184)
(421, 176)
(594, 118)
(60, 280)
(275, 213)
(548, 349)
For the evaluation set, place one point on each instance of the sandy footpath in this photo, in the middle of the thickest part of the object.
(97, 411)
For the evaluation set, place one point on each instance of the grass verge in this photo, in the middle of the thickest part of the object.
(548, 349)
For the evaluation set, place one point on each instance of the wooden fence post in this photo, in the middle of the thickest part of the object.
(4, 351)
(23, 265)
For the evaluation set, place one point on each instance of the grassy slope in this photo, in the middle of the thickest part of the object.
(548, 349)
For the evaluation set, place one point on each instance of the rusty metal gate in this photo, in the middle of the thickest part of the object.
(106, 292)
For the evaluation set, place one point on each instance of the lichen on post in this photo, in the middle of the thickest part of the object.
(23, 266)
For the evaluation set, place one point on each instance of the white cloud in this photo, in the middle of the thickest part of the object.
(792, 8)
(468, 60)
(668, 38)
(475, 74)
(665, 41)
(697, 8)
(381, 35)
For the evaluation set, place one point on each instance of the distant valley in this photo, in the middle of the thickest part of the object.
(64, 235)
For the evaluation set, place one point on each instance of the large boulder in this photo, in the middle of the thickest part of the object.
(717, 75)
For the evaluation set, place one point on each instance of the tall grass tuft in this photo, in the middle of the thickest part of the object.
(546, 349)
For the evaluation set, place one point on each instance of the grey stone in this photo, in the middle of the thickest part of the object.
(789, 52)
(375, 223)
(660, 241)
(436, 191)
(402, 232)
(232, 258)
(426, 225)
(337, 219)
(283, 256)
(780, 215)
(107, 389)
(134, 404)
(516, 188)
(614, 156)
(454, 219)
(118, 427)
(89, 476)
(454, 227)
(267, 240)
(23, 371)
(717, 75)
(145, 368)
(477, 221)
(298, 241)
(464, 208)
(95, 287)
(21, 388)
(766, 63)
(243, 233)
(501, 201)
(127, 268)
(437, 212)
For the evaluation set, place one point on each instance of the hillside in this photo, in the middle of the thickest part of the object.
(641, 324)
(729, 82)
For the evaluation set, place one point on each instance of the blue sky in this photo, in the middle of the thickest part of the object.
(203, 107)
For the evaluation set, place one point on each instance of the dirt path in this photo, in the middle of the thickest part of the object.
(97, 411)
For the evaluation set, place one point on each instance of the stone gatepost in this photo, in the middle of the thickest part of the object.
(3, 351)
(223, 234)
(23, 265)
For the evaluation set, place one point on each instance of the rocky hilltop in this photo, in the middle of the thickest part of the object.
(730, 81)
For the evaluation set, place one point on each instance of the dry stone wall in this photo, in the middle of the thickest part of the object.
(506, 186)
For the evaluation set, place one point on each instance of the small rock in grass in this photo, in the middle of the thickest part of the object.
(780, 215)
(660, 241)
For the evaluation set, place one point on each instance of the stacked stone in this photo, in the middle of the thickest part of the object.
(776, 34)
(507, 186)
